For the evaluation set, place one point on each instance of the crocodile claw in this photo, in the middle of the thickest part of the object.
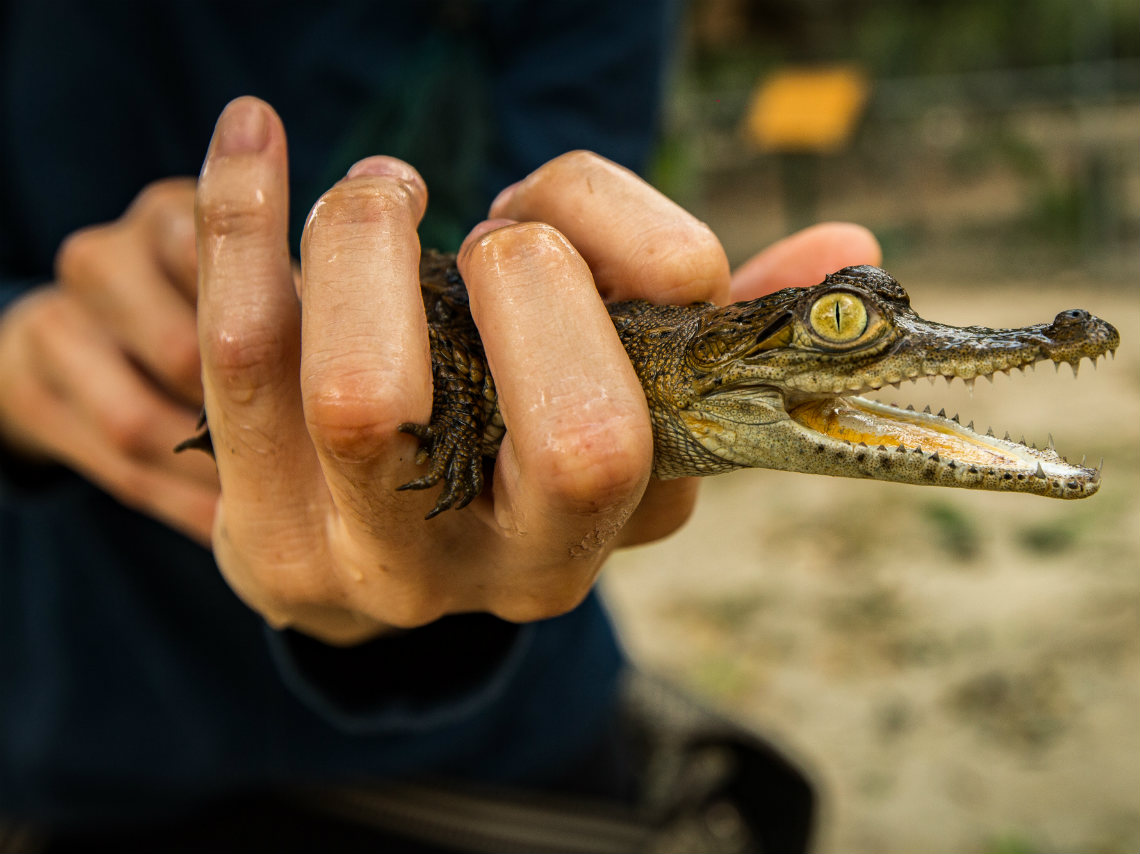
(449, 456)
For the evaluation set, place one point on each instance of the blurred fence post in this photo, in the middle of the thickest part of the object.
(801, 115)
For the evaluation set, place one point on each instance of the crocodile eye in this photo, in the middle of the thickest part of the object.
(840, 317)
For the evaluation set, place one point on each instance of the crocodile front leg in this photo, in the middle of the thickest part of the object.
(464, 428)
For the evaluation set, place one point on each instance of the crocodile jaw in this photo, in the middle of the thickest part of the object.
(856, 437)
(867, 438)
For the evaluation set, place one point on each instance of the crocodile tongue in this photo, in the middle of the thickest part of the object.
(858, 420)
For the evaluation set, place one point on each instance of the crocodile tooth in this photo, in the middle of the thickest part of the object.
(1007, 436)
(1021, 441)
(955, 419)
(897, 385)
(1075, 366)
(862, 444)
(1040, 471)
(970, 385)
(990, 432)
(990, 377)
(970, 426)
(1056, 367)
(935, 457)
(882, 447)
(1100, 467)
(900, 449)
(942, 412)
(926, 410)
(1051, 446)
(910, 407)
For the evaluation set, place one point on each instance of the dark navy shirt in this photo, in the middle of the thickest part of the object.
(131, 677)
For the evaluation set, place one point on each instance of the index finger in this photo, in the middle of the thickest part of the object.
(249, 323)
(637, 242)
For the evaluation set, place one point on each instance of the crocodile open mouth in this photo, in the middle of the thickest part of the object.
(858, 420)
(885, 440)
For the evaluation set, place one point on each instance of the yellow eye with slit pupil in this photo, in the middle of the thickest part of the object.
(839, 317)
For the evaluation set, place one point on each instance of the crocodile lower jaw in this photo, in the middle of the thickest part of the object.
(887, 442)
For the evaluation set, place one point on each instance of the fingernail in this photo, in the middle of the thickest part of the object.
(503, 199)
(242, 128)
(483, 228)
(384, 167)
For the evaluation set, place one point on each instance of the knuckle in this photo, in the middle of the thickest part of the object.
(177, 193)
(130, 428)
(569, 172)
(533, 607)
(46, 311)
(412, 609)
(350, 415)
(240, 358)
(291, 587)
(588, 471)
(577, 161)
(80, 253)
(690, 262)
(228, 214)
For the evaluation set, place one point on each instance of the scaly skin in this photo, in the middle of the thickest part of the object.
(772, 383)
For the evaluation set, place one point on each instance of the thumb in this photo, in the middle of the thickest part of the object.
(804, 258)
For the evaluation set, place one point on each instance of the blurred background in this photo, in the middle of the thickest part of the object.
(959, 671)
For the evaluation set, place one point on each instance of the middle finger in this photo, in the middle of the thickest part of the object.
(365, 367)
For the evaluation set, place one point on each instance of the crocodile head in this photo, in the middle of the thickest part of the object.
(776, 383)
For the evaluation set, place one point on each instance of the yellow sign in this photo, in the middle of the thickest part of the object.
(807, 109)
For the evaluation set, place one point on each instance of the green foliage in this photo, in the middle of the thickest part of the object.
(1011, 843)
(955, 531)
(899, 38)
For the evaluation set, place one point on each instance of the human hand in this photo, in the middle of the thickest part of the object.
(101, 366)
(310, 530)
(805, 258)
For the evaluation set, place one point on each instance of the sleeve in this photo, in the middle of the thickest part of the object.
(12, 289)
(587, 75)
(380, 685)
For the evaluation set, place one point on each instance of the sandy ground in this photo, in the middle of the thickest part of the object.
(960, 671)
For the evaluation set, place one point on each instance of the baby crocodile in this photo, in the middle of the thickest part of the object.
(771, 383)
